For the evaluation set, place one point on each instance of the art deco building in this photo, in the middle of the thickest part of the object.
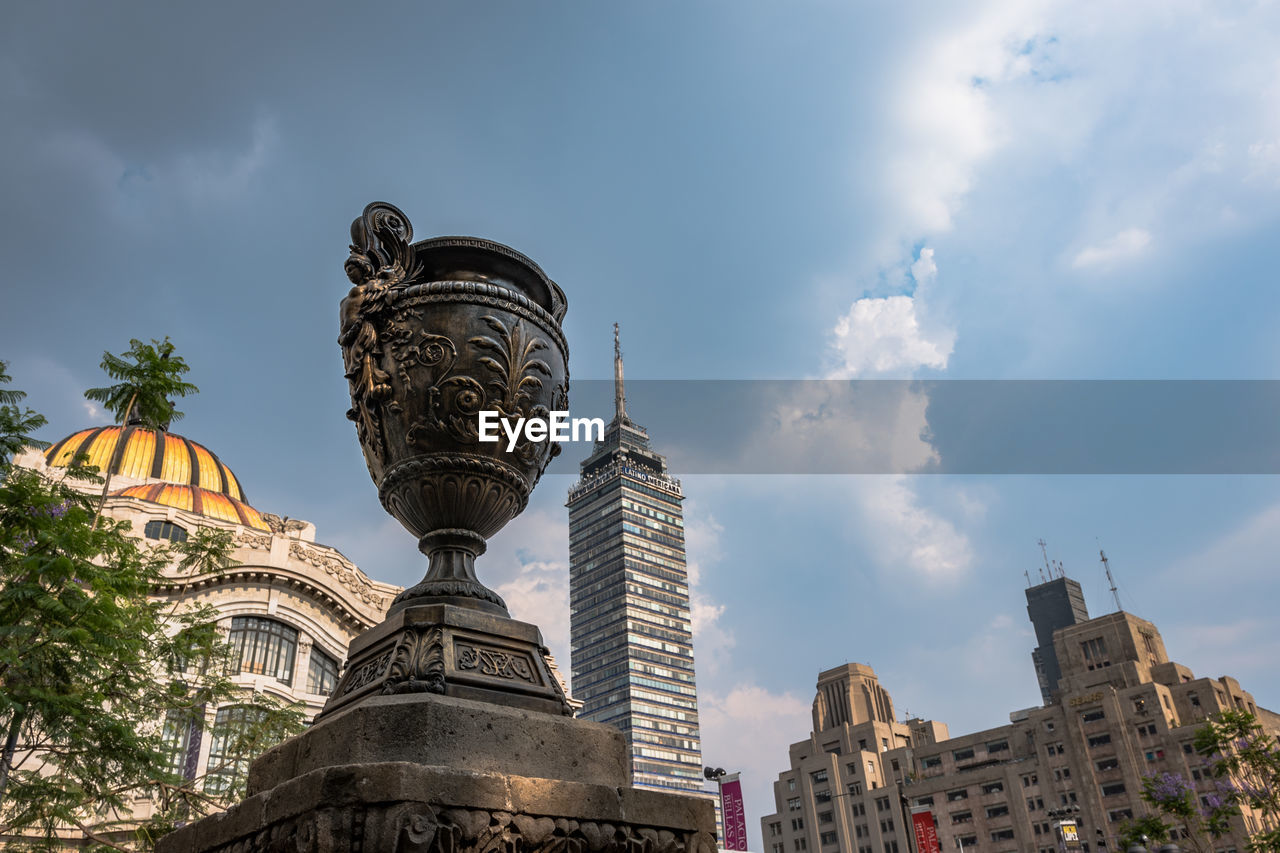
(1121, 711)
(630, 633)
(289, 605)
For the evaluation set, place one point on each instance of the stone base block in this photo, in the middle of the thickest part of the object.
(404, 807)
(451, 732)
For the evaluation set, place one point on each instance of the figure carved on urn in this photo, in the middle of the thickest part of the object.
(432, 334)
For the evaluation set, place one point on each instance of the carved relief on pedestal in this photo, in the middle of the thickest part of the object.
(417, 664)
(418, 828)
(499, 663)
(366, 674)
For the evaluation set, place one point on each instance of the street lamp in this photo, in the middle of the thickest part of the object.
(717, 774)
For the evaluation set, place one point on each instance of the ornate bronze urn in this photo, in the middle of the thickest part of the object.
(433, 333)
(448, 731)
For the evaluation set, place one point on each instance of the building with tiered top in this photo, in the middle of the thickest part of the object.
(1120, 711)
(289, 605)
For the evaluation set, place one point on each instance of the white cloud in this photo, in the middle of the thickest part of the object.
(1124, 246)
(829, 427)
(944, 123)
(904, 534)
(540, 594)
(712, 639)
(527, 563)
(925, 268)
(883, 336)
(749, 730)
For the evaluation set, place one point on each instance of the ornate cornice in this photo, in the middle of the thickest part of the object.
(343, 572)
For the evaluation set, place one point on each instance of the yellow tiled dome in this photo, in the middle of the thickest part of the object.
(198, 500)
(142, 453)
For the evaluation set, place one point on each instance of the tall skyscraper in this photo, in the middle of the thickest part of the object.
(1054, 604)
(630, 633)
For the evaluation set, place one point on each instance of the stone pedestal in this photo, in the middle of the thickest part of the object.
(445, 775)
(446, 758)
(402, 806)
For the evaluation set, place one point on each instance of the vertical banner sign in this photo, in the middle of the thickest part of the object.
(925, 829)
(733, 814)
(1070, 835)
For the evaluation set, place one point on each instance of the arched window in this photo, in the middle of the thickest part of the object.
(231, 747)
(322, 673)
(180, 734)
(165, 530)
(264, 647)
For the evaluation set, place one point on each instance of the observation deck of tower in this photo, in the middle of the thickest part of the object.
(630, 631)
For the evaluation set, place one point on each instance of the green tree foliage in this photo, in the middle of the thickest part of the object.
(1173, 795)
(16, 422)
(149, 376)
(1146, 831)
(1246, 762)
(93, 664)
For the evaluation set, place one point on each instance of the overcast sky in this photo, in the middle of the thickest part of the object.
(1011, 189)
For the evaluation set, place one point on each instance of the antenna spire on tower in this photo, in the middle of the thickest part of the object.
(1045, 553)
(1106, 565)
(619, 395)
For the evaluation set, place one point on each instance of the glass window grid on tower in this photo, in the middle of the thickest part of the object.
(630, 620)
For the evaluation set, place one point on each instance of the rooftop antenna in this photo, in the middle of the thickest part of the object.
(1106, 565)
(619, 396)
(1028, 577)
(1044, 553)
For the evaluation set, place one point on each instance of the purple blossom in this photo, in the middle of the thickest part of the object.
(57, 511)
(1251, 791)
(1169, 786)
